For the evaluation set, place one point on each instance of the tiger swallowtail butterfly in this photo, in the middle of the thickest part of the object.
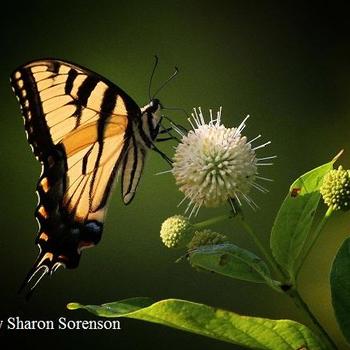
(84, 130)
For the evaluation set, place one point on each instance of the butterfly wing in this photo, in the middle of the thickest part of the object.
(79, 126)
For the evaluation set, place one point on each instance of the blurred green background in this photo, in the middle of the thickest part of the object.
(287, 65)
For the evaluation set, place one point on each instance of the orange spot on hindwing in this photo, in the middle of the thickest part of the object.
(47, 256)
(42, 211)
(43, 236)
(44, 183)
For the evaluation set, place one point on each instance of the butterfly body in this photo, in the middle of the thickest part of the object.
(85, 131)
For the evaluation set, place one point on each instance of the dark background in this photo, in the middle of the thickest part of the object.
(287, 65)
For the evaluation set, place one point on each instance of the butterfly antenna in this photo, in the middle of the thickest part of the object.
(166, 82)
(152, 74)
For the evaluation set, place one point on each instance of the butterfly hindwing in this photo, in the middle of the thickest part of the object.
(80, 128)
(132, 167)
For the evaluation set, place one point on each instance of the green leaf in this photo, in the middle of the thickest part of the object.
(293, 222)
(340, 288)
(251, 332)
(232, 261)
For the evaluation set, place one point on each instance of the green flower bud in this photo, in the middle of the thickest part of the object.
(206, 237)
(176, 231)
(335, 189)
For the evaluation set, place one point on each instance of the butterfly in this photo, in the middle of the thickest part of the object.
(85, 131)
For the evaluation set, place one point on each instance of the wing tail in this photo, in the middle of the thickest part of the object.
(45, 264)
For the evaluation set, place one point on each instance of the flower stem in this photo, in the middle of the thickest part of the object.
(313, 241)
(292, 292)
(213, 221)
(262, 249)
(300, 303)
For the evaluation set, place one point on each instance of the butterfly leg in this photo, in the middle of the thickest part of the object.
(161, 129)
(177, 127)
(168, 132)
(161, 139)
(165, 131)
(163, 155)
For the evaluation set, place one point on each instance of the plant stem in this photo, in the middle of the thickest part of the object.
(262, 249)
(291, 292)
(313, 241)
(213, 221)
(298, 300)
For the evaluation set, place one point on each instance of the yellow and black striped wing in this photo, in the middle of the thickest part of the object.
(79, 126)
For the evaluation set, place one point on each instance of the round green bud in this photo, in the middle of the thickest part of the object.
(335, 189)
(206, 237)
(176, 231)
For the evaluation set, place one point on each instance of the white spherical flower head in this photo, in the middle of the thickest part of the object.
(213, 164)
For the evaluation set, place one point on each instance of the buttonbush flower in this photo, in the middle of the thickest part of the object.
(335, 189)
(213, 164)
(206, 237)
(176, 231)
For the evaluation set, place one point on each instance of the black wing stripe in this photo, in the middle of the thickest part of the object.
(76, 183)
(132, 169)
(133, 166)
(54, 66)
(84, 92)
(86, 88)
(85, 160)
(72, 74)
(107, 106)
(125, 180)
(78, 200)
(143, 134)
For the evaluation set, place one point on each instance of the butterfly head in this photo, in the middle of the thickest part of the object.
(155, 105)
